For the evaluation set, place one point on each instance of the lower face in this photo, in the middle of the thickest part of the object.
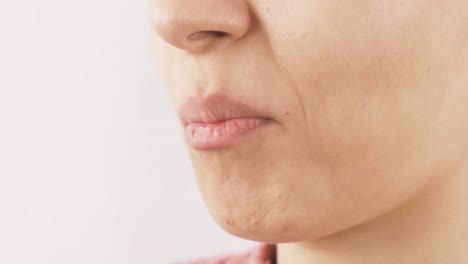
(368, 96)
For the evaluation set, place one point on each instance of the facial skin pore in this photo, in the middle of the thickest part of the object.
(367, 162)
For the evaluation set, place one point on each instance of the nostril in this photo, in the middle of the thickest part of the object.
(200, 26)
(206, 34)
(218, 33)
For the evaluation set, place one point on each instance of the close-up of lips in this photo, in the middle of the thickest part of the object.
(234, 132)
(217, 121)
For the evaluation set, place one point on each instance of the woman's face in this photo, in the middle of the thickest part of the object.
(370, 99)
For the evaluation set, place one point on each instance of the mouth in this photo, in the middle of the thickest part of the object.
(219, 122)
(224, 134)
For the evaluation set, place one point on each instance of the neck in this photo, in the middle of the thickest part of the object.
(431, 228)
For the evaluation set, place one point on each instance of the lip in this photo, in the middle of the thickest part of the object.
(217, 121)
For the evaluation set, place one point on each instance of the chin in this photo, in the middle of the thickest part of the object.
(270, 229)
(267, 219)
(266, 209)
(280, 217)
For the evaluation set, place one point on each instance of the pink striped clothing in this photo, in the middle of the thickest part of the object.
(263, 254)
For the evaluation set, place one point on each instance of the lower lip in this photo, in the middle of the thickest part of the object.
(224, 134)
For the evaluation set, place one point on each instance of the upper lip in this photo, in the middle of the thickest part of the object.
(216, 108)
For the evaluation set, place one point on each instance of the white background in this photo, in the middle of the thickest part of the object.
(92, 164)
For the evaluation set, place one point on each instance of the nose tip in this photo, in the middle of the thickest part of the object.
(196, 25)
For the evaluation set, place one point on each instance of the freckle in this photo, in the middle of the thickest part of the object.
(429, 69)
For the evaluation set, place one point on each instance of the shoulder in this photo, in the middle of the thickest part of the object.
(263, 254)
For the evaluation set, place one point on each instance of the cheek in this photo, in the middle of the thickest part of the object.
(361, 72)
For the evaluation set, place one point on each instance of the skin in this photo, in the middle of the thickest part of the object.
(367, 163)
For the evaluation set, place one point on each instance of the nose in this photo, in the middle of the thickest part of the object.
(195, 25)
